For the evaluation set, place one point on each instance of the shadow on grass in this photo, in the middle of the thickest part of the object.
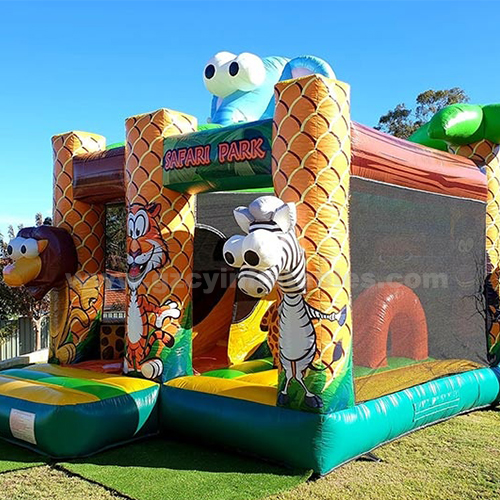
(493, 408)
(13, 457)
(165, 453)
(156, 452)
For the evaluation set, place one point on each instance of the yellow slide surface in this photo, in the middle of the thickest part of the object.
(247, 335)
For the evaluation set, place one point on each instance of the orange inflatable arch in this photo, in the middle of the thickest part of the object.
(388, 311)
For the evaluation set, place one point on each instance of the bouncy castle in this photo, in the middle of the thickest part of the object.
(299, 287)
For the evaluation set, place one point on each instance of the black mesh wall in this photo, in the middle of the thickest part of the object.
(214, 224)
(418, 270)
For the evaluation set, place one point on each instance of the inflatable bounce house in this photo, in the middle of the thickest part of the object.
(298, 286)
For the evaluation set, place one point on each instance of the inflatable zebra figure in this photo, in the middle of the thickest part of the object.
(270, 253)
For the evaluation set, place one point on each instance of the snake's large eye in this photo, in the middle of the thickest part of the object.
(247, 71)
(216, 76)
(209, 71)
(234, 68)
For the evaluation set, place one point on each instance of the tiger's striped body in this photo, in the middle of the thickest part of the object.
(147, 324)
(145, 328)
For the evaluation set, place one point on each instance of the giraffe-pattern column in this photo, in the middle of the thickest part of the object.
(311, 167)
(160, 231)
(487, 155)
(76, 306)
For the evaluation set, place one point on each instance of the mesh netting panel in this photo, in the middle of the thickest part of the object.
(418, 269)
(216, 209)
(214, 224)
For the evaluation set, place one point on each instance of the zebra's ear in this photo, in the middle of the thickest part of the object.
(286, 217)
(243, 218)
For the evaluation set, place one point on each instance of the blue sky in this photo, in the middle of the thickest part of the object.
(89, 65)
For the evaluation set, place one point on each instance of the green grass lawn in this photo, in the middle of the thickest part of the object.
(166, 470)
(458, 459)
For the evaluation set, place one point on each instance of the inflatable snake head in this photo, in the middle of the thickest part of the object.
(243, 85)
(40, 259)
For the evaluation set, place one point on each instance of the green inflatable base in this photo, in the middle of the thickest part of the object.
(74, 431)
(323, 442)
(67, 413)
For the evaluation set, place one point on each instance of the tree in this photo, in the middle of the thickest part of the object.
(116, 238)
(402, 121)
(17, 302)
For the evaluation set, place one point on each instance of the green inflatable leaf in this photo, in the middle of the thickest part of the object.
(491, 114)
(421, 136)
(460, 124)
(457, 124)
(208, 126)
(115, 145)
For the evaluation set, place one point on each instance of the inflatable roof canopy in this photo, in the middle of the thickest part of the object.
(299, 286)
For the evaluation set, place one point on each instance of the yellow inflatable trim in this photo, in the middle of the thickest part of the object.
(38, 392)
(123, 382)
(268, 378)
(254, 365)
(386, 382)
(239, 388)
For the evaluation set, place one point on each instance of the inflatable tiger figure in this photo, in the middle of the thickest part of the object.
(150, 326)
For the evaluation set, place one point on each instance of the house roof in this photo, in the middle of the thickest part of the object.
(115, 295)
(114, 299)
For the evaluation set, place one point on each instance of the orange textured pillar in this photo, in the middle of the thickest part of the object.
(311, 167)
(487, 155)
(76, 306)
(160, 229)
